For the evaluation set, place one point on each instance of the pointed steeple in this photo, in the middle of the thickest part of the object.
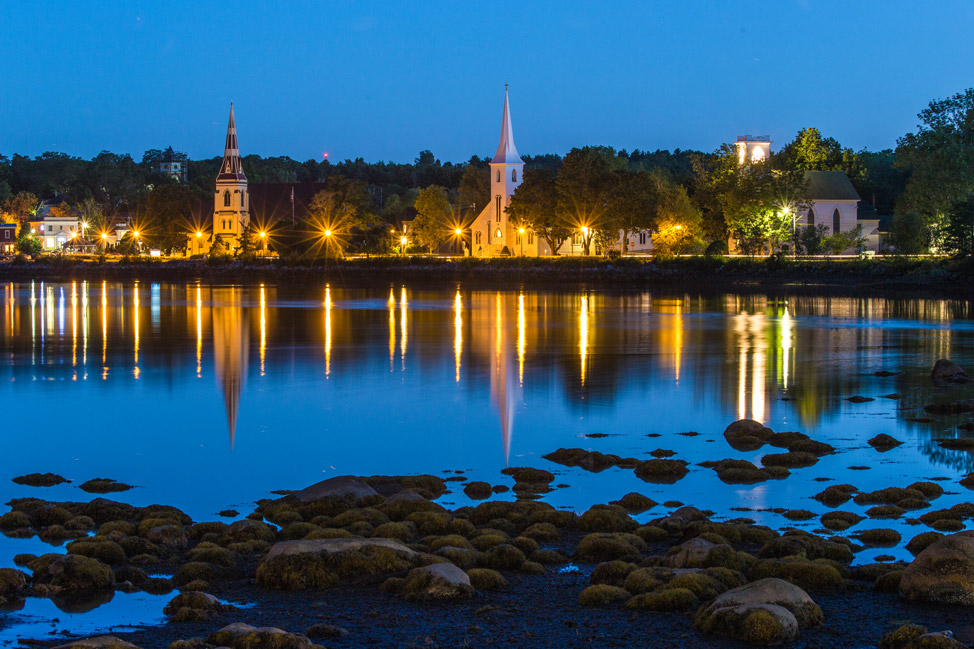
(506, 151)
(232, 167)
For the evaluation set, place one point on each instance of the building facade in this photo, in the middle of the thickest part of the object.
(173, 164)
(492, 233)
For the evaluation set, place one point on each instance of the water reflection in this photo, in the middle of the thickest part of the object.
(726, 356)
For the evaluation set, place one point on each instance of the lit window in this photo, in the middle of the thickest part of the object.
(226, 199)
(498, 234)
(757, 154)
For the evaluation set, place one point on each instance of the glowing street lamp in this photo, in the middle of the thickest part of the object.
(402, 245)
(584, 230)
(459, 233)
(520, 239)
(198, 234)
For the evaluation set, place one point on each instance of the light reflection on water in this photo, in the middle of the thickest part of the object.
(153, 384)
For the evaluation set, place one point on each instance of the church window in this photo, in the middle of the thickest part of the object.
(497, 201)
(241, 199)
(476, 237)
(810, 220)
(498, 175)
(488, 231)
(642, 238)
(513, 175)
(226, 199)
(835, 221)
(499, 234)
(530, 237)
(517, 239)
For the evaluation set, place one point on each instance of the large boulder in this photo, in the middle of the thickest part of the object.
(943, 573)
(194, 606)
(343, 486)
(12, 584)
(690, 554)
(766, 612)
(438, 581)
(747, 435)
(320, 563)
(947, 371)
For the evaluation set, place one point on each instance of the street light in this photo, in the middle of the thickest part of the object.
(402, 245)
(327, 238)
(584, 230)
(520, 239)
(459, 233)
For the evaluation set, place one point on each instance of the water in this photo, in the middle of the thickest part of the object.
(210, 397)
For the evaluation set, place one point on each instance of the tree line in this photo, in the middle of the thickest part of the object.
(685, 200)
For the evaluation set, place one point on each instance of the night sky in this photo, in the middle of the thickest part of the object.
(383, 81)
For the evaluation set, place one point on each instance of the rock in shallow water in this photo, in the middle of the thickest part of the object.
(943, 573)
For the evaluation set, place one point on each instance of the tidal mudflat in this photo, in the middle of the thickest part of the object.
(569, 467)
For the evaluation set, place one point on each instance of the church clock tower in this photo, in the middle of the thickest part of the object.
(231, 203)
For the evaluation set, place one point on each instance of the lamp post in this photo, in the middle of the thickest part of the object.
(135, 235)
(104, 241)
(584, 231)
(459, 233)
(327, 238)
(263, 242)
(402, 245)
(520, 239)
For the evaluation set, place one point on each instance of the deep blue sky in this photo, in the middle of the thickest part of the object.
(384, 80)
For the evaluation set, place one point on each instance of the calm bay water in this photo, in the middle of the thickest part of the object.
(209, 397)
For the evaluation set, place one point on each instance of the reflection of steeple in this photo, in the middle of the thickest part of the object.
(504, 387)
(230, 350)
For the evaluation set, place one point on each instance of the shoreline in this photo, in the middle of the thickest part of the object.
(946, 278)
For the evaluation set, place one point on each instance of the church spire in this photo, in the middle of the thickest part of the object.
(232, 167)
(506, 151)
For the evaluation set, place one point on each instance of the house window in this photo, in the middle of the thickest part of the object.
(530, 237)
(513, 175)
(226, 199)
(642, 238)
(810, 219)
(835, 221)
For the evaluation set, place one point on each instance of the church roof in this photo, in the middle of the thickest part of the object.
(232, 166)
(830, 186)
(506, 151)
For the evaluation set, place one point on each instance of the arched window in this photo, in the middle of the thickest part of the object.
(530, 237)
(498, 175)
(810, 219)
(513, 175)
(226, 198)
(836, 219)
(497, 202)
(476, 235)
(241, 199)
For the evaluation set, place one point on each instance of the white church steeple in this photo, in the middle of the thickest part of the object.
(506, 151)
(506, 170)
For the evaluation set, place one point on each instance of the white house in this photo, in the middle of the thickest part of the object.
(58, 230)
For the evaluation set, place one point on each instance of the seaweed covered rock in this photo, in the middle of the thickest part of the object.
(343, 486)
(884, 442)
(245, 636)
(747, 435)
(477, 490)
(602, 594)
(635, 503)
(808, 546)
(599, 547)
(72, 574)
(922, 541)
(744, 472)
(789, 460)
(437, 581)
(661, 471)
(764, 612)
(667, 599)
(819, 576)
(12, 584)
(943, 573)
(194, 606)
(40, 480)
(593, 461)
(606, 518)
(486, 579)
(320, 563)
(104, 486)
(913, 636)
(835, 495)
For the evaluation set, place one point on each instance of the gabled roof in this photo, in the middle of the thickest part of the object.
(830, 186)
(232, 166)
(506, 151)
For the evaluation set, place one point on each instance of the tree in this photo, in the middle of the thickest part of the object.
(168, 216)
(939, 157)
(632, 201)
(909, 234)
(809, 151)
(809, 238)
(534, 206)
(958, 235)
(27, 243)
(23, 206)
(474, 191)
(341, 207)
(431, 226)
(92, 216)
(582, 189)
(677, 223)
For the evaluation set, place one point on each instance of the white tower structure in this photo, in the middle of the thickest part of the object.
(492, 233)
(753, 148)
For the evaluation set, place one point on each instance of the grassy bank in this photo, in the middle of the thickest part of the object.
(948, 276)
